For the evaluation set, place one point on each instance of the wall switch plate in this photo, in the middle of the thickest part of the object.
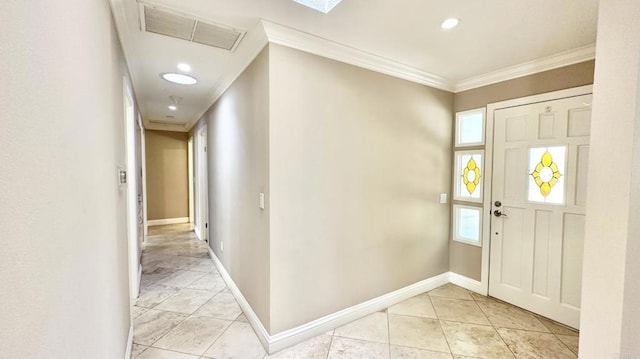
(261, 200)
(443, 198)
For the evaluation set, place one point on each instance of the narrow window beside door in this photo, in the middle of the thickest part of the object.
(468, 177)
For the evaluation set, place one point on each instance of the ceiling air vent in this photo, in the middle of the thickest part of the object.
(166, 123)
(179, 26)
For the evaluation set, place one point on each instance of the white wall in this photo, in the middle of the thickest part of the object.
(611, 275)
(63, 263)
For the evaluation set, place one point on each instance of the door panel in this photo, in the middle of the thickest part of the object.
(541, 152)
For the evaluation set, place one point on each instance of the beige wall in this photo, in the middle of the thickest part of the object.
(467, 259)
(167, 174)
(238, 161)
(63, 263)
(610, 317)
(357, 162)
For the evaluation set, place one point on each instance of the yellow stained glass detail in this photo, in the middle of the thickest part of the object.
(546, 174)
(471, 175)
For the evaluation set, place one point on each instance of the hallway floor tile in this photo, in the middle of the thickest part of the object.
(185, 311)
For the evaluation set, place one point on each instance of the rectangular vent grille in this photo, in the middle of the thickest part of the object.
(166, 123)
(165, 22)
(216, 36)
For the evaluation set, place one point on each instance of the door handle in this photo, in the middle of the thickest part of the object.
(499, 213)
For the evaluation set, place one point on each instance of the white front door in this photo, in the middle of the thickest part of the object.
(540, 161)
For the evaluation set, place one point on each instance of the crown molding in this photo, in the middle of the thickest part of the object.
(558, 60)
(306, 42)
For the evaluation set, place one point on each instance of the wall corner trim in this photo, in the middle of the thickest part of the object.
(127, 352)
(286, 36)
(161, 222)
(565, 58)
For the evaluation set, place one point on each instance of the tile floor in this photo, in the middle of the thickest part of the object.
(185, 311)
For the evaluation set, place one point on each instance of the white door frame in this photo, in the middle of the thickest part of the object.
(131, 202)
(488, 169)
(190, 169)
(143, 159)
(201, 177)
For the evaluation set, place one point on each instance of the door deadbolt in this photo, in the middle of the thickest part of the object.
(498, 203)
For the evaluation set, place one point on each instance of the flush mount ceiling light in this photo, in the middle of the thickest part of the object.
(450, 23)
(184, 67)
(173, 107)
(179, 78)
(321, 5)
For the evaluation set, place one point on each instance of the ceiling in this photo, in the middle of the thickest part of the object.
(492, 35)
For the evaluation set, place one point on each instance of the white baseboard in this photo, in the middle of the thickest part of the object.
(252, 317)
(277, 342)
(467, 283)
(127, 353)
(309, 330)
(196, 230)
(161, 222)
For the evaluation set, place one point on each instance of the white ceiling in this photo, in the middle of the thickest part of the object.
(492, 35)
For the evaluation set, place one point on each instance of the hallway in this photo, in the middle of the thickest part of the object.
(185, 311)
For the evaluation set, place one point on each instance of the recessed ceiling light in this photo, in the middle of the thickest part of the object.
(184, 67)
(450, 23)
(179, 78)
(172, 108)
(321, 5)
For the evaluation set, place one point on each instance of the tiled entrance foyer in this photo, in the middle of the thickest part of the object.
(185, 311)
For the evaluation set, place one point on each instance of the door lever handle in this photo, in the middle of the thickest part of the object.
(499, 213)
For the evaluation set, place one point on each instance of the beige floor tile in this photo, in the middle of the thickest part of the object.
(503, 315)
(458, 310)
(557, 328)
(153, 324)
(418, 306)
(203, 265)
(570, 341)
(137, 349)
(181, 278)
(242, 318)
(186, 301)
(416, 332)
(194, 335)
(154, 294)
(153, 276)
(239, 341)
(211, 281)
(373, 327)
(346, 348)
(413, 353)
(221, 306)
(314, 348)
(155, 353)
(475, 340)
(137, 311)
(451, 291)
(479, 297)
(535, 345)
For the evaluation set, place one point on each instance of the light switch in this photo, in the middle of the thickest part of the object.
(261, 200)
(443, 198)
